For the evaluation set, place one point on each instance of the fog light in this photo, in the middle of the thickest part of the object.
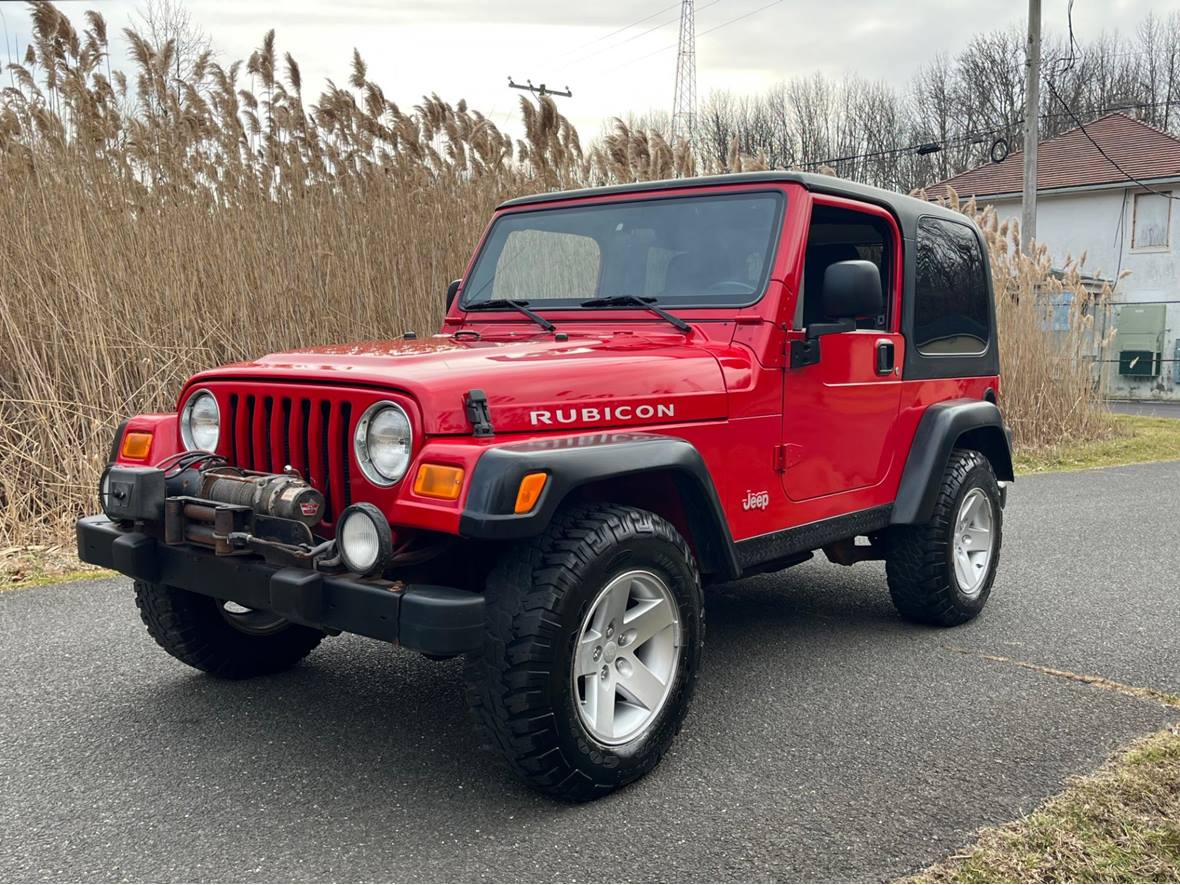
(137, 445)
(439, 481)
(364, 539)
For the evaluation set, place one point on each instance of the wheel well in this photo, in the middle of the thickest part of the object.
(678, 498)
(990, 442)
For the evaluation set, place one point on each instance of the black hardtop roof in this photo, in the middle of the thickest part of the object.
(907, 209)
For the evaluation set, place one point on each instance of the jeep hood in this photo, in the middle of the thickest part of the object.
(618, 379)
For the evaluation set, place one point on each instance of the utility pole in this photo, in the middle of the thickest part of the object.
(528, 86)
(684, 100)
(1032, 127)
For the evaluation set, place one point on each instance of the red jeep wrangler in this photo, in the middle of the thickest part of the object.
(637, 391)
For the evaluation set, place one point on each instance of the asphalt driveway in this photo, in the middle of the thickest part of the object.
(828, 740)
(1147, 408)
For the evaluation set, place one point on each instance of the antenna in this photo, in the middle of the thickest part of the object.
(684, 101)
(528, 86)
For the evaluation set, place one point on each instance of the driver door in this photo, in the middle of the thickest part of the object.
(839, 413)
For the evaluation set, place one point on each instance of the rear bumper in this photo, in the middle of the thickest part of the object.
(422, 617)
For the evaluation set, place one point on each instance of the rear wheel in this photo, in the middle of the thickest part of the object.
(220, 637)
(942, 572)
(593, 637)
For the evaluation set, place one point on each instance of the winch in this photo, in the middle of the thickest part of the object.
(196, 498)
(285, 495)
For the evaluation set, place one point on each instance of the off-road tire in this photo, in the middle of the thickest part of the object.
(190, 627)
(519, 682)
(918, 560)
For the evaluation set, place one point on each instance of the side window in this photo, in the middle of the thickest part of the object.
(951, 313)
(837, 234)
(1151, 217)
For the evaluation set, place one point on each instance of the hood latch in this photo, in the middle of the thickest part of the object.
(479, 414)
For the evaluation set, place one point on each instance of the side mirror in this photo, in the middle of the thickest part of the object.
(852, 289)
(452, 291)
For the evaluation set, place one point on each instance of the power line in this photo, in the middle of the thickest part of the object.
(977, 136)
(1082, 126)
(632, 38)
(701, 33)
(655, 27)
(738, 18)
(618, 31)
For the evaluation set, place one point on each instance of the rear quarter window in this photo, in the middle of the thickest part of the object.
(951, 311)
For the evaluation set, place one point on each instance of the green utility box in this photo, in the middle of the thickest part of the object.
(1139, 342)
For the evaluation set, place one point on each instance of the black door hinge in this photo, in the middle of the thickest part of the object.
(479, 414)
(804, 352)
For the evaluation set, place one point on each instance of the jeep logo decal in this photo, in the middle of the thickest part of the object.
(601, 414)
(756, 500)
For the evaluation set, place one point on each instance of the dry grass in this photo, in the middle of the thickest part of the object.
(38, 564)
(1051, 391)
(1137, 439)
(1121, 824)
(154, 226)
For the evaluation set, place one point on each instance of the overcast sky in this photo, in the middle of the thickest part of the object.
(468, 48)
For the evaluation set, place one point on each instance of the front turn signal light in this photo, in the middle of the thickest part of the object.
(439, 481)
(137, 445)
(530, 491)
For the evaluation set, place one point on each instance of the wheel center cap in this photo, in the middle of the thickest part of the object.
(610, 651)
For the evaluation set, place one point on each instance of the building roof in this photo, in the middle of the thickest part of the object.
(1070, 160)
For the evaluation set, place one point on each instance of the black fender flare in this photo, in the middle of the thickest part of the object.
(575, 461)
(976, 423)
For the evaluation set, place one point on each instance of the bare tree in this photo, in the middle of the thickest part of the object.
(956, 107)
(164, 21)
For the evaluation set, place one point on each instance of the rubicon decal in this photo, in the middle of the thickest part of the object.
(601, 414)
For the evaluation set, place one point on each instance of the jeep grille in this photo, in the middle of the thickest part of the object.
(312, 434)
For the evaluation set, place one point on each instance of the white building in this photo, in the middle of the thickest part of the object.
(1085, 205)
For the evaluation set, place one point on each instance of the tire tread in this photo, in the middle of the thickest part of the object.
(916, 561)
(188, 626)
(505, 679)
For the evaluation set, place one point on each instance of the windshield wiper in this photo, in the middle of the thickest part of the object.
(637, 301)
(520, 306)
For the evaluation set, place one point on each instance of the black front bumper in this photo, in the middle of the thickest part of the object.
(423, 617)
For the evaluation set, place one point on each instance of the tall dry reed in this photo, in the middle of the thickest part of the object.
(1045, 318)
(152, 226)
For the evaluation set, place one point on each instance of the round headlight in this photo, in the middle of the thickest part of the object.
(383, 443)
(200, 422)
(364, 540)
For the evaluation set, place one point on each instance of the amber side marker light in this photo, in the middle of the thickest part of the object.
(136, 445)
(439, 481)
(530, 491)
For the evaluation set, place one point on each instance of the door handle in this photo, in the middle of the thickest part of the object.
(884, 357)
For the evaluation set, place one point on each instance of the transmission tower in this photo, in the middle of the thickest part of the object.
(684, 101)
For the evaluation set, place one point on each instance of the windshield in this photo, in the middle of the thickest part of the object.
(708, 251)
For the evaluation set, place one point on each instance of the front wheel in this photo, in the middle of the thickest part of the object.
(221, 638)
(941, 572)
(593, 638)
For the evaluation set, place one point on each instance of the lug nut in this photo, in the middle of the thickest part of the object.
(610, 629)
(605, 672)
(597, 652)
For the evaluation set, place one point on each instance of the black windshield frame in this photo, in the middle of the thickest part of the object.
(770, 255)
